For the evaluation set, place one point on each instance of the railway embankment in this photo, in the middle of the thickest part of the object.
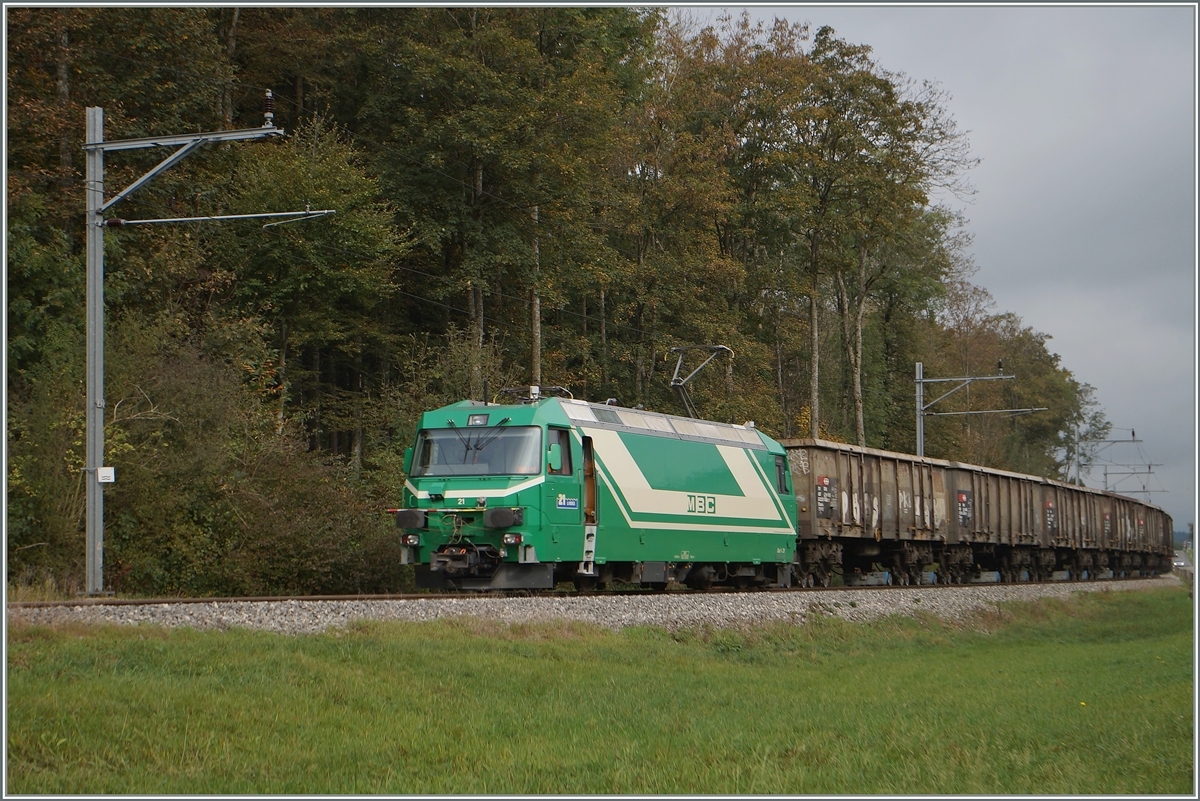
(671, 610)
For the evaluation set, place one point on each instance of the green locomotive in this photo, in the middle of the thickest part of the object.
(553, 489)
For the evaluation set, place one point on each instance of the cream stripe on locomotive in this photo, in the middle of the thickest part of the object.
(635, 497)
(500, 492)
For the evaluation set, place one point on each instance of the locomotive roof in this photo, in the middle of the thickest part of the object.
(640, 421)
(615, 418)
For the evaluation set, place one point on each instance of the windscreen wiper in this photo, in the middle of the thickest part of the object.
(466, 441)
(481, 443)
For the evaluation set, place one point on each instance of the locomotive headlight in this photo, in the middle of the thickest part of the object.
(512, 539)
(411, 539)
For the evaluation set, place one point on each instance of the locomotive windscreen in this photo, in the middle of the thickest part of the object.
(478, 452)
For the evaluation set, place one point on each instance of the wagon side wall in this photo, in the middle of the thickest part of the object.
(857, 493)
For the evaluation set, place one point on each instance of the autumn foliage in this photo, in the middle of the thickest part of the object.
(641, 181)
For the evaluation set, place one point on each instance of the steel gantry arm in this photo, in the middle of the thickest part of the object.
(176, 140)
(187, 143)
(190, 143)
(175, 157)
(923, 407)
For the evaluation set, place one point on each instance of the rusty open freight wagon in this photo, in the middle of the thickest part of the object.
(881, 516)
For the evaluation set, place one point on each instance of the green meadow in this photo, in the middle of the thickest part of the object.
(1091, 695)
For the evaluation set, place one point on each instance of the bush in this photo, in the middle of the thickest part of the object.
(213, 496)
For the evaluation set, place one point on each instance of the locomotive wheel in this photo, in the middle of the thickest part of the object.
(585, 584)
(657, 586)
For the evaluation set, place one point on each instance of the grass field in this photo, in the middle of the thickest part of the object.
(1088, 696)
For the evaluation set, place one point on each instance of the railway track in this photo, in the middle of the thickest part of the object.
(615, 610)
(501, 594)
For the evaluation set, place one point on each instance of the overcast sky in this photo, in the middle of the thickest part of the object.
(1084, 217)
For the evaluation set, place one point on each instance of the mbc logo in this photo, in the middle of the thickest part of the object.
(702, 504)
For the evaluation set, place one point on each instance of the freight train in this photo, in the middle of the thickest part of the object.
(552, 489)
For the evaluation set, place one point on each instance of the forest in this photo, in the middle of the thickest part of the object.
(550, 196)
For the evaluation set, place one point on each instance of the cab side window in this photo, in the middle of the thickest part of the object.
(781, 475)
(562, 438)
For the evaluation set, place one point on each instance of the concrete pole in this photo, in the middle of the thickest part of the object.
(920, 409)
(95, 355)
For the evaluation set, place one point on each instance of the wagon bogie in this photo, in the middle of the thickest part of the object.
(817, 562)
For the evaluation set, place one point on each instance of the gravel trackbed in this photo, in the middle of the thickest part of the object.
(669, 610)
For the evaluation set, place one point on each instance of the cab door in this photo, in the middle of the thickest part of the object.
(562, 500)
